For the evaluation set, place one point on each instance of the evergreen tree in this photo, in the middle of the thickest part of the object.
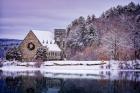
(75, 22)
(88, 20)
(90, 36)
(13, 54)
(81, 21)
(93, 17)
(41, 54)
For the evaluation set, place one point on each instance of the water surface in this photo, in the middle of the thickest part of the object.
(37, 82)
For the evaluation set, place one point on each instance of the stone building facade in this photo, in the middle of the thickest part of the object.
(36, 39)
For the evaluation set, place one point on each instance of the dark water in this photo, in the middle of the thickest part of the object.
(36, 82)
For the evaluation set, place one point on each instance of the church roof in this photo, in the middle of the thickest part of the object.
(47, 39)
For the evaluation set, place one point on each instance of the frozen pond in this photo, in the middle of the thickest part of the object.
(48, 82)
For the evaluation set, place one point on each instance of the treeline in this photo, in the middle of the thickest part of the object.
(114, 35)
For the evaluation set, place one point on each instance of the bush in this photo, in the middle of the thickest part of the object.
(13, 54)
(41, 54)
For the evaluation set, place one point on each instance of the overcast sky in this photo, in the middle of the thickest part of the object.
(17, 17)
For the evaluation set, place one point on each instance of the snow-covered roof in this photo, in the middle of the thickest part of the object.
(47, 39)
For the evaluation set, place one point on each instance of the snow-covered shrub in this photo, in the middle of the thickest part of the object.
(41, 54)
(13, 54)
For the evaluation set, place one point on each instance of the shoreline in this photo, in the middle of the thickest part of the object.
(61, 68)
(114, 74)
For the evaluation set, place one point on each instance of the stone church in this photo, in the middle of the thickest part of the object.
(53, 42)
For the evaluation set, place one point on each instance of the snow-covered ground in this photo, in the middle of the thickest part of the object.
(71, 69)
(69, 66)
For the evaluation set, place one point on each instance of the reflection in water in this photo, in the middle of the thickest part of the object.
(35, 82)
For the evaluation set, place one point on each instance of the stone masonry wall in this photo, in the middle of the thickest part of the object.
(27, 54)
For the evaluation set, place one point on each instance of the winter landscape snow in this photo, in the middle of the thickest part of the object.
(70, 66)
(98, 65)
(71, 69)
(72, 50)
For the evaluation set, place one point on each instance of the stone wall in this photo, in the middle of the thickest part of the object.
(27, 54)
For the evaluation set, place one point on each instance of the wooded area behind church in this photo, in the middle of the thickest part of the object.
(115, 35)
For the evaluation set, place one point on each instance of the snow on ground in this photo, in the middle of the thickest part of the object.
(64, 66)
(111, 75)
(55, 65)
(74, 62)
(70, 69)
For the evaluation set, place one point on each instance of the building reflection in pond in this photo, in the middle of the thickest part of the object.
(25, 84)
(41, 84)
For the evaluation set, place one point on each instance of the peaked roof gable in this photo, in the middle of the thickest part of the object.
(27, 37)
(46, 38)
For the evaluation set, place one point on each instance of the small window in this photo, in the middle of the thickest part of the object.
(47, 42)
(52, 53)
(51, 42)
(43, 42)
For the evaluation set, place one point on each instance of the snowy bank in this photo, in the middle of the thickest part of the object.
(70, 69)
(68, 66)
(111, 75)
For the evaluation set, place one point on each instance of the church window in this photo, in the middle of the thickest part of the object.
(43, 42)
(47, 42)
